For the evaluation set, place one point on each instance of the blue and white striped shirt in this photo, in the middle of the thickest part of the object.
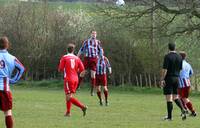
(8, 63)
(185, 74)
(102, 65)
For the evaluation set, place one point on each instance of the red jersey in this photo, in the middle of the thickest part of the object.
(70, 65)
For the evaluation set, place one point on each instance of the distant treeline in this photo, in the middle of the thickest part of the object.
(39, 34)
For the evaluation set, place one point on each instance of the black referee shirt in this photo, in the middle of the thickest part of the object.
(173, 64)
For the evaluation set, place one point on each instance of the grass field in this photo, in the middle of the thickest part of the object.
(44, 108)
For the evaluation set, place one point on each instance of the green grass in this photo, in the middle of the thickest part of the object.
(43, 107)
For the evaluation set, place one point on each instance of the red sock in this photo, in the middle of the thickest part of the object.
(69, 104)
(93, 82)
(184, 105)
(9, 122)
(76, 102)
(190, 107)
(99, 95)
(106, 95)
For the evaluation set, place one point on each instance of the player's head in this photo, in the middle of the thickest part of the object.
(183, 54)
(4, 43)
(171, 46)
(70, 48)
(93, 34)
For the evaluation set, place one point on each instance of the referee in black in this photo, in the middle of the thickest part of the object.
(169, 81)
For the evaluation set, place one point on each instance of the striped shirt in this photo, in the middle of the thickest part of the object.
(102, 65)
(8, 63)
(91, 48)
(185, 74)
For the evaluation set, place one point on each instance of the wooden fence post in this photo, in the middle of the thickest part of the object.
(149, 80)
(137, 81)
(140, 80)
(146, 82)
(195, 83)
(155, 83)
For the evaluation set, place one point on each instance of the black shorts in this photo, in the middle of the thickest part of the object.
(171, 86)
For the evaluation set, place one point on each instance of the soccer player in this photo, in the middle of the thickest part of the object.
(101, 78)
(71, 65)
(91, 49)
(8, 63)
(169, 81)
(184, 84)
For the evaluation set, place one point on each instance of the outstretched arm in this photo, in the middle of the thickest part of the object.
(82, 49)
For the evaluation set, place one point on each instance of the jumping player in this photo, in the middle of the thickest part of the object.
(91, 49)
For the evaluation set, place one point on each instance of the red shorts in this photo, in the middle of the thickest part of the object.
(184, 92)
(5, 100)
(90, 63)
(70, 86)
(101, 80)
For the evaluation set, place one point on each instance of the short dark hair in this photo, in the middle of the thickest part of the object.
(4, 43)
(183, 54)
(93, 31)
(171, 46)
(70, 47)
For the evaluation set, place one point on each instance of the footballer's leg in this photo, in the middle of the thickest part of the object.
(99, 94)
(93, 81)
(188, 102)
(169, 107)
(181, 95)
(180, 105)
(77, 103)
(190, 106)
(8, 119)
(106, 94)
(68, 105)
(105, 85)
(80, 79)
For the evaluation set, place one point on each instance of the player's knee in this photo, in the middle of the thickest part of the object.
(8, 113)
(68, 97)
(169, 98)
(98, 88)
(93, 73)
(105, 88)
(185, 100)
(175, 96)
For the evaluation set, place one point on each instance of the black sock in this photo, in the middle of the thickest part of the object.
(169, 109)
(179, 104)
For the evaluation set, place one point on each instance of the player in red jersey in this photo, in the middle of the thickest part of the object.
(71, 65)
(101, 78)
(91, 49)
